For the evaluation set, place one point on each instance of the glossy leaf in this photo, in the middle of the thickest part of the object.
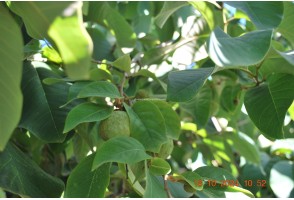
(84, 183)
(41, 114)
(123, 63)
(281, 179)
(86, 112)
(171, 119)
(268, 103)
(99, 89)
(287, 27)
(245, 146)
(120, 149)
(20, 175)
(147, 125)
(159, 166)
(245, 50)
(104, 14)
(265, 15)
(193, 179)
(184, 85)
(167, 10)
(154, 188)
(214, 173)
(10, 76)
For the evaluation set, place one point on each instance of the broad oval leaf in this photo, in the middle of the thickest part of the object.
(184, 85)
(20, 175)
(167, 10)
(171, 119)
(159, 166)
(281, 179)
(84, 183)
(154, 187)
(120, 149)
(123, 63)
(103, 13)
(245, 50)
(265, 15)
(10, 76)
(287, 27)
(99, 89)
(147, 125)
(41, 114)
(86, 112)
(214, 173)
(268, 103)
(245, 146)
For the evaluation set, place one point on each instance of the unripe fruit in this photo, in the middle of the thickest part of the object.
(166, 149)
(142, 94)
(118, 124)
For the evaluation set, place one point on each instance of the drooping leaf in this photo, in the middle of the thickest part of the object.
(86, 112)
(41, 114)
(10, 76)
(123, 63)
(120, 149)
(171, 119)
(48, 19)
(214, 173)
(265, 15)
(281, 179)
(147, 73)
(159, 166)
(147, 125)
(154, 188)
(268, 103)
(245, 146)
(212, 16)
(84, 183)
(99, 89)
(73, 42)
(286, 27)
(20, 175)
(184, 85)
(193, 179)
(104, 14)
(167, 10)
(245, 50)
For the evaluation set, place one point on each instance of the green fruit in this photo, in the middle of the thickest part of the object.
(142, 94)
(166, 149)
(118, 124)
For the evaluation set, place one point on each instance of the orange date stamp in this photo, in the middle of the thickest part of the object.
(231, 183)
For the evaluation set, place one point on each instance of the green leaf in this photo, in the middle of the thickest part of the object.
(214, 173)
(104, 14)
(120, 149)
(200, 106)
(230, 97)
(86, 112)
(281, 179)
(63, 23)
(75, 53)
(10, 76)
(154, 188)
(51, 54)
(268, 103)
(99, 89)
(147, 125)
(20, 175)
(147, 73)
(167, 10)
(276, 65)
(159, 166)
(192, 179)
(184, 85)
(287, 27)
(245, 50)
(212, 16)
(265, 15)
(2, 193)
(84, 183)
(171, 119)
(123, 63)
(41, 114)
(245, 146)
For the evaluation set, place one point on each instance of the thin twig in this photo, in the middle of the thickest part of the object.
(169, 195)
